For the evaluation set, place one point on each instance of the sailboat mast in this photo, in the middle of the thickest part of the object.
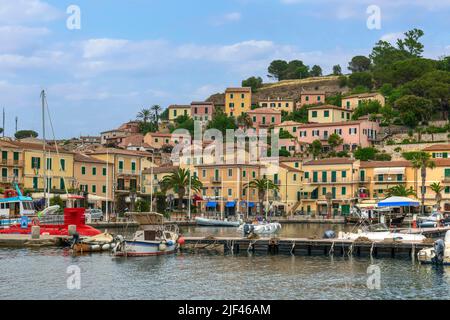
(44, 156)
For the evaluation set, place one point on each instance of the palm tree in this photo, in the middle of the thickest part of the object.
(422, 160)
(244, 120)
(179, 182)
(156, 109)
(262, 186)
(144, 114)
(400, 191)
(437, 188)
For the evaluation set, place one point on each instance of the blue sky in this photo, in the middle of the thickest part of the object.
(136, 53)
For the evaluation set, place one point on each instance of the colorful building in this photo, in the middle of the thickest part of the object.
(11, 164)
(353, 101)
(264, 118)
(311, 97)
(202, 111)
(279, 104)
(438, 151)
(328, 114)
(176, 111)
(238, 101)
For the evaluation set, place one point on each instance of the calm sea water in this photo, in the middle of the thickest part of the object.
(42, 274)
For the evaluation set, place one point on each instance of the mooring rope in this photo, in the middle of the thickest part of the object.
(371, 249)
(250, 245)
(350, 250)
(331, 249)
(293, 247)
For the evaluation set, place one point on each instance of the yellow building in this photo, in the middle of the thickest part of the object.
(58, 168)
(94, 177)
(176, 111)
(287, 105)
(237, 101)
(11, 164)
(337, 176)
(353, 101)
(328, 114)
(153, 176)
(290, 126)
(438, 151)
(127, 173)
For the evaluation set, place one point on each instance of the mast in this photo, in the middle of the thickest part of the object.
(44, 156)
(107, 185)
(151, 185)
(3, 122)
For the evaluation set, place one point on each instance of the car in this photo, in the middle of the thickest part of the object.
(96, 214)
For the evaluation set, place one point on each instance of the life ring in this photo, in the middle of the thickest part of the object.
(35, 222)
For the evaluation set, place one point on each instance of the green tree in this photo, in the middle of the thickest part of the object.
(22, 134)
(284, 134)
(142, 206)
(363, 79)
(422, 161)
(335, 140)
(244, 120)
(437, 188)
(179, 182)
(316, 71)
(277, 69)
(296, 69)
(359, 64)
(156, 111)
(253, 82)
(410, 44)
(414, 109)
(365, 108)
(400, 191)
(144, 115)
(365, 154)
(222, 122)
(261, 186)
(316, 148)
(337, 70)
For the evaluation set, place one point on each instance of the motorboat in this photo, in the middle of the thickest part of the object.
(431, 221)
(260, 228)
(438, 254)
(216, 222)
(101, 242)
(153, 237)
(373, 215)
(379, 232)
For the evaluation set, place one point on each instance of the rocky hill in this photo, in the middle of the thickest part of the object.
(289, 89)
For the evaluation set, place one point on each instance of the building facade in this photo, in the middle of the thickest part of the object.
(238, 101)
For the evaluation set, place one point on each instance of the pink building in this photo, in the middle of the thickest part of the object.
(354, 133)
(292, 145)
(311, 97)
(265, 117)
(202, 111)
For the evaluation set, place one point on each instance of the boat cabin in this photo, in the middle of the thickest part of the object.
(16, 205)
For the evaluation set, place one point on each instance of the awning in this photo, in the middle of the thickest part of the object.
(393, 170)
(211, 204)
(398, 202)
(230, 204)
(308, 189)
(247, 204)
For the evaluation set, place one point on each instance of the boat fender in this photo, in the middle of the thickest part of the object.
(35, 222)
(106, 246)
(439, 248)
(170, 242)
(162, 246)
(95, 247)
(329, 234)
(181, 241)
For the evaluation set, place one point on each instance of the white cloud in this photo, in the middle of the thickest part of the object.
(13, 38)
(27, 11)
(226, 18)
(392, 37)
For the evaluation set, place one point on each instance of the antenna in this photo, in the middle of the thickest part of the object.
(3, 122)
(17, 119)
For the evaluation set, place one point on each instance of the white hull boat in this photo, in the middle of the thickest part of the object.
(380, 232)
(260, 229)
(439, 254)
(216, 222)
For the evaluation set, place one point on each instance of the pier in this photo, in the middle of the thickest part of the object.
(308, 247)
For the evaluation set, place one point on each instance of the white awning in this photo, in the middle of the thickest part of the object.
(308, 189)
(393, 170)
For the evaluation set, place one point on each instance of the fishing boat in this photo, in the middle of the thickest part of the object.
(216, 222)
(153, 238)
(373, 215)
(379, 232)
(431, 221)
(439, 254)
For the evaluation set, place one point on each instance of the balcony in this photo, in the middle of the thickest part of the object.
(389, 179)
(329, 181)
(446, 179)
(122, 172)
(216, 180)
(11, 163)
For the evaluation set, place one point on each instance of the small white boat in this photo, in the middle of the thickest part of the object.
(216, 222)
(98, 243)
(155, 238)
(379, 232)
(431, 221)
(439, 254)
(260, 228)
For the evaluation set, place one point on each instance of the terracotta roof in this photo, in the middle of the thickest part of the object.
(79, 157)
(264, 110)
(330, 124)
(327, 106)
(38, 146)
(164, 169)
(289, 168)
(240, 89)
(362, 95)
(122, 151)
(329, 161)
(7, 144)
(312, 92)
(179, 106)
(289, 123)
(384, 164)
(437, 147)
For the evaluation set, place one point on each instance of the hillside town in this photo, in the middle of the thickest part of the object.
(325, 165)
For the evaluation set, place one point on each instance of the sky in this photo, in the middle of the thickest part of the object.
(132, 54)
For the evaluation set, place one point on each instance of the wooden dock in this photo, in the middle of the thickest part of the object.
(24, 240)
(307, 247)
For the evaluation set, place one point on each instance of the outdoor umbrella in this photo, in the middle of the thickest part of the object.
(398, 202)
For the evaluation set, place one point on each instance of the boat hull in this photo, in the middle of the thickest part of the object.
(145, 248)
(216, 223)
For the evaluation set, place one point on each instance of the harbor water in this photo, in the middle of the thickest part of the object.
(46, 273)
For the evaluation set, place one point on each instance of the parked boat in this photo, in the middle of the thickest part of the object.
(439, 254)
(101, 242)
(216, 222)
(373, 215)
(431, 221)
(379, 232)
(153, 238)
(262, 228)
